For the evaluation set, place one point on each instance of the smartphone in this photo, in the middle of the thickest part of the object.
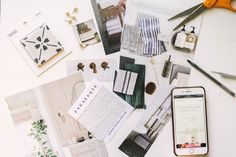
(189, 117)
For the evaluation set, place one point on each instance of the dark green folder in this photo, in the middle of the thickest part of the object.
(137, 100)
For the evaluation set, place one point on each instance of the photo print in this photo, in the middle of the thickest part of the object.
(101, 69)
(30, 124)
(44, 109)
(87, 33)
(58, 96)
(110, 16)
(150, 125)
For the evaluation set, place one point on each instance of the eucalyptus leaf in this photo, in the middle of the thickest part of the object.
(39, 133)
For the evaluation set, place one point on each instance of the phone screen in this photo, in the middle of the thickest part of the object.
(190, 121)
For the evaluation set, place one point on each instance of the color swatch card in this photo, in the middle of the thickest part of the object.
(125, 82)
(100, 111)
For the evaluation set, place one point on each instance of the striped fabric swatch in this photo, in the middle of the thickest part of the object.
(150, 28)
(125, 82)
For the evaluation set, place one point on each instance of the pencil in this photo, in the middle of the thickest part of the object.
(225, 75)
(212, 78)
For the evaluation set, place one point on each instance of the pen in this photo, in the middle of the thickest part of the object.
(212, 78)
(225, 75)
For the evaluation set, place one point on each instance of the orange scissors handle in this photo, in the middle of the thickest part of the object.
(219, 4)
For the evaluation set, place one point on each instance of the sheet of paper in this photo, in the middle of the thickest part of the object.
(89, 148)
(177, 4)
(101, 111)
(105, 69)
(221, 56)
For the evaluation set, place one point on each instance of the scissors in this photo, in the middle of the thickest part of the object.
(198, 9)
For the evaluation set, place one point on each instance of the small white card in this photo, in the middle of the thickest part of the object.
(182, 79)
(100, 111)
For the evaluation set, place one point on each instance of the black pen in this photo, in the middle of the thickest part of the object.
(212, 78)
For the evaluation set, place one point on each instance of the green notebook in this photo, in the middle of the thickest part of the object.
(137, 100)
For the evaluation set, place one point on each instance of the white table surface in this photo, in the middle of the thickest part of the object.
(218, 35)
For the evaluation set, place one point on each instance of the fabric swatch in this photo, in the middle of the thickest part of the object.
(150, 28)
(130, 38)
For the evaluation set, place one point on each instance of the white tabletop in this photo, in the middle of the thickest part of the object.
(217, 40)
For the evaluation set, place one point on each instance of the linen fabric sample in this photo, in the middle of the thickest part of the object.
(150, 28)
(42, 45)
(130, 38)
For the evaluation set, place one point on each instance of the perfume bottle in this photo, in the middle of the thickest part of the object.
(191, 40)
(181, 38)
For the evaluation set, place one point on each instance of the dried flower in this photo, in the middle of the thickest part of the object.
(75, 10)
(68, 14)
